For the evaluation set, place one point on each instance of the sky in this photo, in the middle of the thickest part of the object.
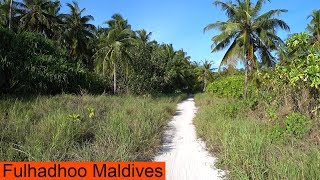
(181, 22)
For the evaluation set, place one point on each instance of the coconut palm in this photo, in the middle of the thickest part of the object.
(114, 47)
(314, 26)
(168, 52)
(36, 16)
(8, 12)
(78, 32)
(143, 36)
(206, 69)
(3, 13)
(57, 25)
(247, 34)
(117, 21)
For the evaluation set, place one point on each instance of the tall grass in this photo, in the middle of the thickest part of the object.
(245, 147)
(82, 128)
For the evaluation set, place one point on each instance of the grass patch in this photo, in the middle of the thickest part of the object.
(245, 146)
(83, 128)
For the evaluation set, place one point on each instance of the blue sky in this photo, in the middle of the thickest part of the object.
(181, 22)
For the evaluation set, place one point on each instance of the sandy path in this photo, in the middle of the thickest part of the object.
(185, 155)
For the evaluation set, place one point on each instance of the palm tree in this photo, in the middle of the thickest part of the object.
(117, 21)
(36, 16)
(206, 66)
(169, 52)
(143, 36)
(57, 25)
(314, 26)
(8, 12)
(247, 33)
(114, 45)
(78, 32)
(3, 13)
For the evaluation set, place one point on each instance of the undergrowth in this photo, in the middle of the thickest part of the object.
(83, 128)
(253, 148)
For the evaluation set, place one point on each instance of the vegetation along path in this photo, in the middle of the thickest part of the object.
(184, 154)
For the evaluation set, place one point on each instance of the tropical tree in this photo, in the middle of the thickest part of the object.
(314, 26)
(3, 17)
(143, 36)
(57, 29)
(8, 13)
(206, 70)
(247, 34)
(168, 52)
(37, 16)
(78, 33)
(113, 48)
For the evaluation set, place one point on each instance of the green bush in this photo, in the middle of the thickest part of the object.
(229, 86)
(31, 63)
(277, 132)
(230, 110)
(297, 124)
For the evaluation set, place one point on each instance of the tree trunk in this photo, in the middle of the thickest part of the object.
(127, 78)
(114, 79)
(10, 14)
(245, 87)
(251, 60)
(205, 82)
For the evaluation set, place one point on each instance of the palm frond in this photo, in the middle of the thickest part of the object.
(229, 8)
(232, 56)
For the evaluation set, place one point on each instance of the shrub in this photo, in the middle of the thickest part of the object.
(229, 86)
(297, 124)
(33, 64)
(277, 132)
(295, 80)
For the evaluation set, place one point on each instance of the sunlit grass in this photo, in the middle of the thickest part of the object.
(83, 128)
(244, 147)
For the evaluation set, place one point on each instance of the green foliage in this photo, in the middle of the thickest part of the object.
(296, 78)
(142, 66)
(62, 57)
(78, 33)
(297, 124)
(75, 117)
(91, 112)
(229, 86)
(247, 34)
(314, 26)
(304, 65)
(33, 64)
(277, 132)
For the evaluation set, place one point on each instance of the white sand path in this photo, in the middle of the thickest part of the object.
(185, 156)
